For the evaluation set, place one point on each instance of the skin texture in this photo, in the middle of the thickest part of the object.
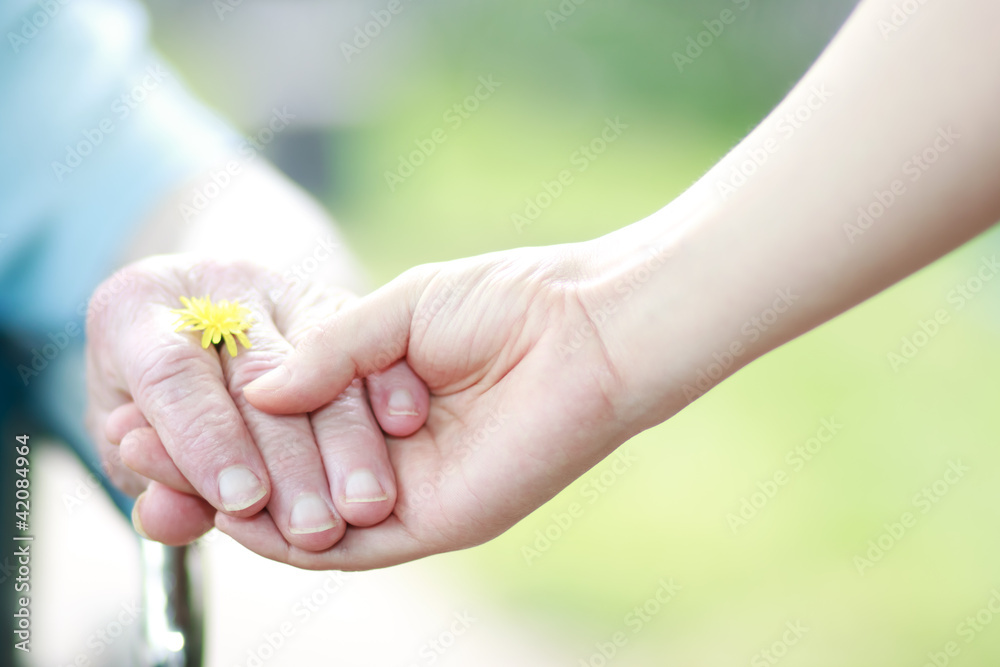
(163, 408)
(512, 414)
(157, 389)
(481, 352)
(541, 361)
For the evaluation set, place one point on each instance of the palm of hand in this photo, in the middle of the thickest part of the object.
(518, 410)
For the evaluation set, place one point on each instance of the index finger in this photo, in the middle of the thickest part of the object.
(364, 337)
(180, 388)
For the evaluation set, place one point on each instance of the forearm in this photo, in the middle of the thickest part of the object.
(889, 161)
(258, 216)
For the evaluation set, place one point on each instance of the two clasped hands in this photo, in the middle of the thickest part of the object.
(429, 416)
(437, 411)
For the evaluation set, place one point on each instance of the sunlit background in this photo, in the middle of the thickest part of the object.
(692, 506)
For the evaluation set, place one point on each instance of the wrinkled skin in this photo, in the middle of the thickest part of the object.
(162, 408)
(523, 401)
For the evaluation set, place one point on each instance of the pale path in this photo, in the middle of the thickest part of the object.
(86, 573)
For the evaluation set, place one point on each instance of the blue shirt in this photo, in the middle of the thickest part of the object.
(94, 131)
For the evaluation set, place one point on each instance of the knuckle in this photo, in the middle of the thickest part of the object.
(167, 372)
(177, 381)
(341, 430)
(289, 463)
(204, 442)
(255, 362)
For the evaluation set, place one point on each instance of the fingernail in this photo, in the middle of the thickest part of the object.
(362, 487)
(272, 380)
(239, 488)
(401, 403)
(310, 515)
(136, 521)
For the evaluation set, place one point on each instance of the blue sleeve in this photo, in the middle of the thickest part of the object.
(94, 131)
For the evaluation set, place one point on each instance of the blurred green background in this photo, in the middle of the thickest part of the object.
(665, 517)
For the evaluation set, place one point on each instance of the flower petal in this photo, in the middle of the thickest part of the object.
(230, 344)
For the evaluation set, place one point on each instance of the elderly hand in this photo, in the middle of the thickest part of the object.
(177, 413)
(523, 400)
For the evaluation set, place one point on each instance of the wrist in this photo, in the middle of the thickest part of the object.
(676, 309)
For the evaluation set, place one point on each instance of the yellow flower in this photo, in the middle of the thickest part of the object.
(221, 320)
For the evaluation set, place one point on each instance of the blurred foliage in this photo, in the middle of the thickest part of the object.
(665, 517)
(559, 84)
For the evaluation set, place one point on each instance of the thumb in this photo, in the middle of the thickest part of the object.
(366, 336)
